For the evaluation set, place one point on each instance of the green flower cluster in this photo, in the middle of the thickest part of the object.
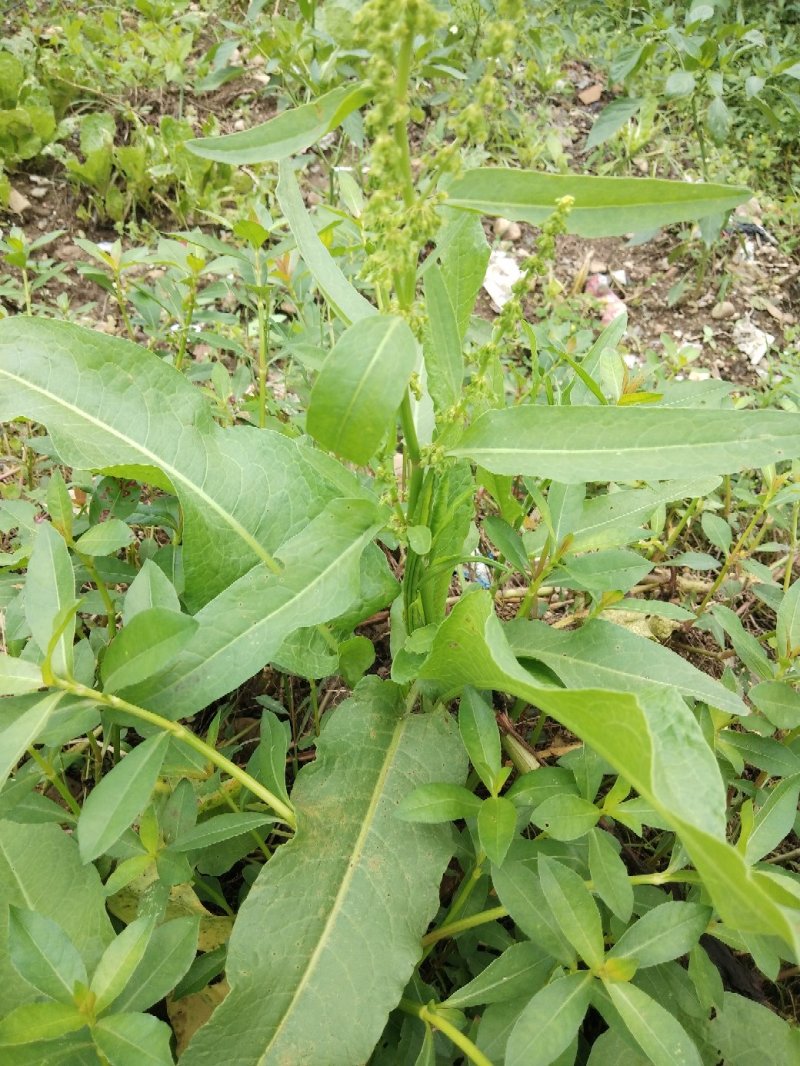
(397, 220)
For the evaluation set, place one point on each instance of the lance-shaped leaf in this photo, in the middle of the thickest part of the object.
(110, 405)
(290, 132)
(329, 935)
(241, 630)
(359, 389)
(444, 359)
(49, 591)
(573, 444)
(40, 868)
(346, 302)
(657, 1032)
(603, 655)
(652, 740)
(604, 207)
(24, 730)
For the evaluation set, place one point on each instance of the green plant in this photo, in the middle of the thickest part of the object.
(717, 65)
(210, 551)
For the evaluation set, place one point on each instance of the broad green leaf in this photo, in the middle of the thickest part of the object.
(681, 83)
(652, 740)
(787, 633)
(339, 913)
(444, 360)
(220, 828)
(613, 1048)
(112, 406)
(23, 731)
(550, 1021)
(574, 909)
(706, 978)
(356, 396)
(478, 727)
(521, 969)
(778, 701)
(18, 676)
(747, 647)
(59, 504)
(615, 569)
(71, 1049)
(717, 530)
(774, 820)
(49, 590)
(463, 254)
(520, 892)
(134, 1040)
(44, 955)
(657, 1032)
(269, 758)
(566, 817)
(609, 875)
(656, 744)
(508, 541)
(244, 627)
(40, 868)
(346, 302)
(439, 802)
(289, 133)
(147, 644)
(497, 824)
(119, 961)
(150, 588)
(611, 119)
(663, 933)
(39, 1021)
(616, 518)
(168, 955)
(603, 655)
(604, 207)
(121, 795)
(746, 1032)
(605, 444)
(105, 538)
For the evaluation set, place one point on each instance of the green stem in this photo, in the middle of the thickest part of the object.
(461, 926)
(102, 588)
(698, 129)
(26, 285)
(431, 1017)
(465, 890)
(183, 734)
(676, 531)
(787, 574)
(187, 322)
(54, 779)
(739, 546)
(119, 293)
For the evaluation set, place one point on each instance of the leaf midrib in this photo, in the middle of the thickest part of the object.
(173, 473)
(352, 868)
(603, 667)
(268, 619)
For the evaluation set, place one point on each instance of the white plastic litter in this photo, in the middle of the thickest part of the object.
(751, 340)
(502, 274)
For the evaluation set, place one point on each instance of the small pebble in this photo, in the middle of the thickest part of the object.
(506, 229)
(725, 309)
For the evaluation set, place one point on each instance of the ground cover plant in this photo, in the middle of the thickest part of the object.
(394, 683)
